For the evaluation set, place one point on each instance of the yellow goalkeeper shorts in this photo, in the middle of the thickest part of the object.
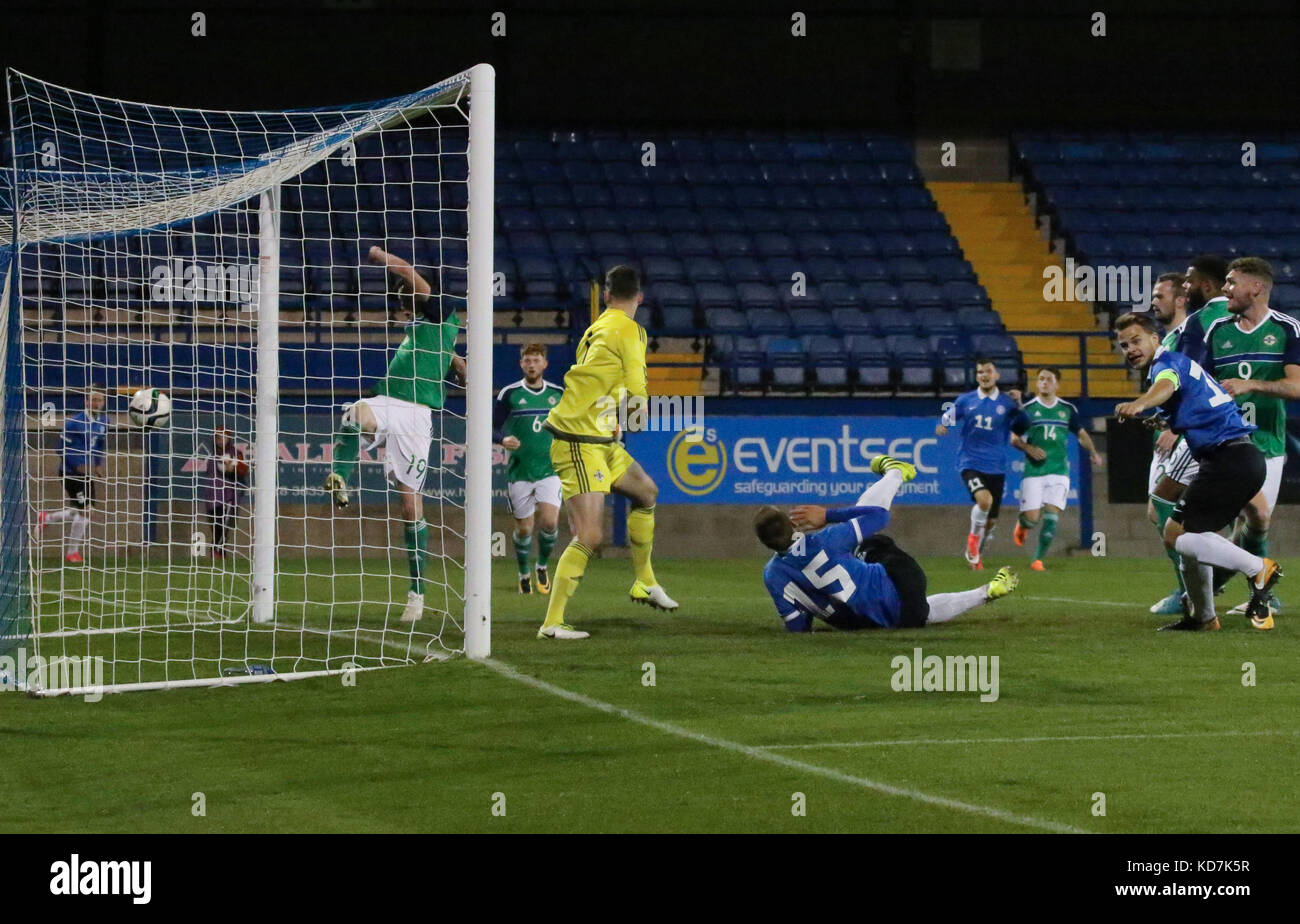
(588, 467)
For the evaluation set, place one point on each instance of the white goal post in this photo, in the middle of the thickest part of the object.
(249, 264)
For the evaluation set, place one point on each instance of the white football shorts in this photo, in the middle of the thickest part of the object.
(1039, 490)
(405, 430)
(526, 495)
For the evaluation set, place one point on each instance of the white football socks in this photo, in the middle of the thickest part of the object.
(1213, 549)
(1199, 579)
(77, 533)
(978, 518)
(58, 516)
(944, 607)
(881, 494)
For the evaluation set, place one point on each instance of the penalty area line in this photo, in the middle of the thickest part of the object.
(780, 760)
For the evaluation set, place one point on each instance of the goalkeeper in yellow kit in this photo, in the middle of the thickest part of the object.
(590, 459)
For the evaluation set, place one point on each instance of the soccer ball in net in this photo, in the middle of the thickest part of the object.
(150, 407)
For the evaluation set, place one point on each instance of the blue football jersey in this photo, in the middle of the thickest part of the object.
(821, 577)
(985, 430)
(1199, 410)
(83, 441)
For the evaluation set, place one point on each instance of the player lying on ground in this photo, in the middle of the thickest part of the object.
(1231, 472)
(81, 463)
(589, 457)
(1041, 430)
(532, 486)
(985, 416)
(400, 415)
(1254, 351)
(850, 576)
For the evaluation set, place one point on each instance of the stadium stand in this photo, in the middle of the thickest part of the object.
(759, 252)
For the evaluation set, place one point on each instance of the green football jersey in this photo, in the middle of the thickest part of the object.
(1050, 426)
(418, 369)
(520, 412)
(1262, 353)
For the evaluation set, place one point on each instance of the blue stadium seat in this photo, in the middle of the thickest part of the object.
(752, 197)
(672, 197)
(878, 294)
(715, 295)
(663, 269)
(893, 321)
(705, 269)
(849, 321)
(870, 361)
(731, 244)
(758, 220)
(908, 269)
(693, 244)
(551, 195)
(723, 221)
(678, 221)
(735, 173)
(996, 346)
(826, 269)
(691, 149)
(764, 321)
(528, 243)
(923, 295)
(791, 197)
(756, 295)
(553, 220)
(814, 244)
(670, 295)
(855, 244)
(676, 322)
(840, 295)
(949, 269)
(744, 269)
(590, 195)
(828, 361)
(979, 320)
(811, 321)
(712, 197)
(937, 322)
(541, 281)
(835, 220)
(702, 174)
(769, 244)
(787, 361)
(651, 243)
(631, 196)
(725, 321)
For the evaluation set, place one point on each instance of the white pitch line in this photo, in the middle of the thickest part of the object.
(1036, 740)
(789, 763)
(1076, 600)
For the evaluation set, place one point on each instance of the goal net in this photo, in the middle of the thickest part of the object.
(258, 269)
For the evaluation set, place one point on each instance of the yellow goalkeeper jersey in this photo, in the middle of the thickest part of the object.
(610, 363)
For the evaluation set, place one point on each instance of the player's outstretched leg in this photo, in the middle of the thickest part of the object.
(347, 444)
(1213, 549)
(944, 607)
(1023, 525)
(882, 464)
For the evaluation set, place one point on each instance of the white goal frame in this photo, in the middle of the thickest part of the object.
(263, 183)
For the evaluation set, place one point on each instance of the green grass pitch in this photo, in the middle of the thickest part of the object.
(741, 717)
